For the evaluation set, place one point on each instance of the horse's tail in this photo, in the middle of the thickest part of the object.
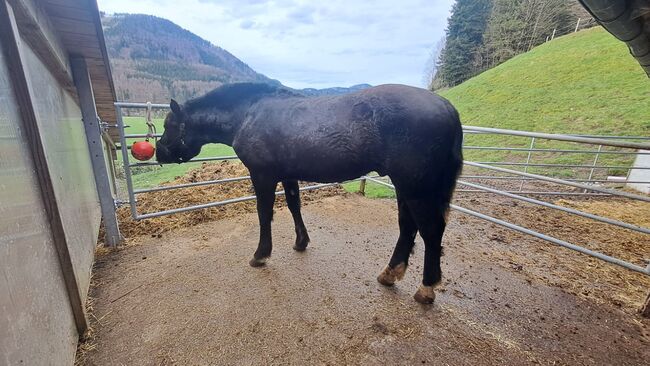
(453, 166)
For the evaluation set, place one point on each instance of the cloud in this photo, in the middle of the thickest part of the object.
(247, 24)
(303, 14)
(313, 43)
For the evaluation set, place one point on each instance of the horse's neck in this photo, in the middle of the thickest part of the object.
(219, 126)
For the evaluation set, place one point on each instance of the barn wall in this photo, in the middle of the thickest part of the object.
(36, 321)
(59, 120)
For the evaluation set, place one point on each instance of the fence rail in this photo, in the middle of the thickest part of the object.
(548, 238)
(589, 186)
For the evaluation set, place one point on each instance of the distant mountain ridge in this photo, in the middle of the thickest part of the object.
(335, 90)
(153, 59)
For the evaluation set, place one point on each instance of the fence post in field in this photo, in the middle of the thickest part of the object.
(362, 186)
(577, 25)
(553, 35)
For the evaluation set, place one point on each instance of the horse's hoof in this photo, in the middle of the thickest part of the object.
(389, 275)
(425, 295)
(299, 248)
(258, 262)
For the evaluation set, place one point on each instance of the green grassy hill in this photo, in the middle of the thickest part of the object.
(582, 83)
(585, 82)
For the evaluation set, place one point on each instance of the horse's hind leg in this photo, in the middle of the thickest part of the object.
(399, 261)
(429, 214)
(292, 194)
(265, 192)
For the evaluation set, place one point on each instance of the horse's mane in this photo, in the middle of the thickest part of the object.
(229, 96)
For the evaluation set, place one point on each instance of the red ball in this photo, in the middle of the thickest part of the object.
(142, 150)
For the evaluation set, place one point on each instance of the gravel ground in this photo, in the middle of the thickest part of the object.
(189, 296)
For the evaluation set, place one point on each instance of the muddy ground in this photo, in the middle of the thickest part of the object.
(189, 296)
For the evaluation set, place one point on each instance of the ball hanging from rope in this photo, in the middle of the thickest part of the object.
(142, 150)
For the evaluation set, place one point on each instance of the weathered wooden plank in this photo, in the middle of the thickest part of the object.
(67, 12)
(74, 36)
(79, 4)
(79, 40)
(74, 26)
(84, 51)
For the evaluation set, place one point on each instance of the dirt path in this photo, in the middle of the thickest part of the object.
(191, 298)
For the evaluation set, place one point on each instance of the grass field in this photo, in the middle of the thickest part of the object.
(582, 83)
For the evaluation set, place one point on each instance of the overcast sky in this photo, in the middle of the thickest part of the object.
(313, 43)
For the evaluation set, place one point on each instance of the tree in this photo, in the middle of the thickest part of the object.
(464, 36)
(516, 26)
(431, 68)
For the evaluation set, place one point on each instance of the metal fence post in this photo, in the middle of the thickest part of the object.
(530, 152)
(125, 159)
(95, 147)
(591, 172)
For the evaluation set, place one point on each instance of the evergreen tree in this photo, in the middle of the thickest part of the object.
(465, 30)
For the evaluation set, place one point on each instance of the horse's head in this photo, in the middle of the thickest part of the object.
(179, 142)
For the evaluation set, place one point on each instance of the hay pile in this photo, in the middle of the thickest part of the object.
(633, 212)
(584, 276)
(165, 200)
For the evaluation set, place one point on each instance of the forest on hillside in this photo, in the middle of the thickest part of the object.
(482, 34)
(153, 59)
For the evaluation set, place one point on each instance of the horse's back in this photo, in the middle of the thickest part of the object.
(388, 128)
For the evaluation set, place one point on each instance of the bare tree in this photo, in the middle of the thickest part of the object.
(516, 26)
(431, 67)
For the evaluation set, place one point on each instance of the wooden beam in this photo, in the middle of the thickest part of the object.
(10, 40)
(74, 26)
(67, 12)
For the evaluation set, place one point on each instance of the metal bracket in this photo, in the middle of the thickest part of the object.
(118, 202)
(104, 126)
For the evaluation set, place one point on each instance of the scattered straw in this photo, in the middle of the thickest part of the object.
(164, 200)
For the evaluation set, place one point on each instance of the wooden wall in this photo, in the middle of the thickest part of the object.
(49, 206)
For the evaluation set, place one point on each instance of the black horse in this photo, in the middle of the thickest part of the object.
(409, 134)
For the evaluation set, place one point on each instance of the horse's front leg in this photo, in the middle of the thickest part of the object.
(292, 194)
(265, 192)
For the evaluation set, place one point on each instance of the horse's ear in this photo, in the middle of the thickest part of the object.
(175, 107)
